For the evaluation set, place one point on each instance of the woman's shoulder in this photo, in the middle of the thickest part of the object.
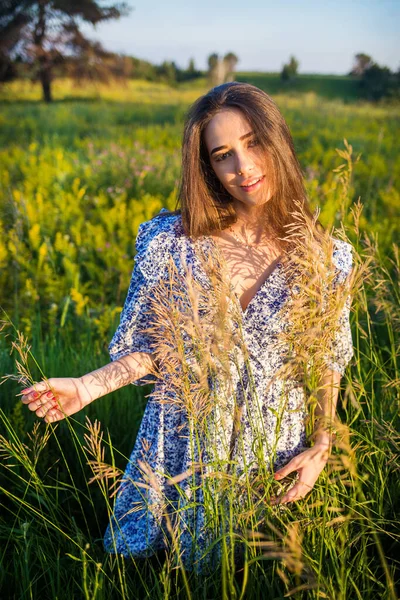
(158, 239)
(165, 223)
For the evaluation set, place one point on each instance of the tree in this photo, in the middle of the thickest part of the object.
(285, 73)
(46, 34)
(289, 70)
(191, 67)
(214, 70)
(167, 72)
(230, 61)
(188, 74)
(379, 82)
(221, 70)
(362, 62)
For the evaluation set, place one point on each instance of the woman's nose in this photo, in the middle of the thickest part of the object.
(244, 163)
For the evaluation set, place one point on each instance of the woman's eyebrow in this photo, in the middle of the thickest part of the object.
(246, 135)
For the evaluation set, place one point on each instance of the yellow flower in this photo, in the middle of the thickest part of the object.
(34, 236)
(80, 301)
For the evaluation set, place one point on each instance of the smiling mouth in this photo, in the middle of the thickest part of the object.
(253, 183)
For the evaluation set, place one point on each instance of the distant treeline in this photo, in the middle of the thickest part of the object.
(168, 71)
(369, 81)
(112, 65)
(373, 82)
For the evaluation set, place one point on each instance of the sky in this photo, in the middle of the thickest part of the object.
(323, 35)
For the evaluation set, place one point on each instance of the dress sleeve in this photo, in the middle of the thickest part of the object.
(341, 350)
(136, 315)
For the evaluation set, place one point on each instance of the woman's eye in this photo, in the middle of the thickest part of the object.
(222, 156)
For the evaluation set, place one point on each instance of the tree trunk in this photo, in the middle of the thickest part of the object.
(45, 80)
(41, 55)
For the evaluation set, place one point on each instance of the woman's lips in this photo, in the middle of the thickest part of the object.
(255, 186)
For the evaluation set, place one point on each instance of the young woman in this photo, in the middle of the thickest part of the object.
(241, 187)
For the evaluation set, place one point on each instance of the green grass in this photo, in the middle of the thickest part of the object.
(328, 87)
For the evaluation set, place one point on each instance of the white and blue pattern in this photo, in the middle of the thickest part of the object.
(137, 527)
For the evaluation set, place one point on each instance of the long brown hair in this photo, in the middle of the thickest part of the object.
(205, 205)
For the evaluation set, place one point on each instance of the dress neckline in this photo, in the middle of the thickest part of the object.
(264, 284)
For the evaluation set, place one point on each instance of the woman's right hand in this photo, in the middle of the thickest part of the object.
(56, 398)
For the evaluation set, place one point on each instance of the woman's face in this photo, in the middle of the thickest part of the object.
(243, 168)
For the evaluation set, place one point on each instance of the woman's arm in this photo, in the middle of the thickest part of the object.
(325, 409)
(117, 374)
(59, 397)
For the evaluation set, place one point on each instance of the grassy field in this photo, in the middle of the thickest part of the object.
(329, 87)
(77, 178)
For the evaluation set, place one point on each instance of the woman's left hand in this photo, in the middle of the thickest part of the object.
(309, 465)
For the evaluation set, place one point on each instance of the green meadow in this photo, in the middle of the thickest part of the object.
(329, 87)
(77, 178)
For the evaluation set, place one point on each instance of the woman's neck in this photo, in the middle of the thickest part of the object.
(250, 221)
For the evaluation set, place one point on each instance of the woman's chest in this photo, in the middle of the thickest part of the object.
(248, 269)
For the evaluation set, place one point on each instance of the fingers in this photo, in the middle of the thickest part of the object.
(51, 411)
(46, 405)
(34, 393)
(37, 388)
(53, 415)
(297, 492)
(40, 399)
(289, 468)
(35, 400)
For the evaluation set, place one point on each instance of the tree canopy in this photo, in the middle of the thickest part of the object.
(46, 33)
(289, 70)
(220, 69)
(376, 82)
(362, 62)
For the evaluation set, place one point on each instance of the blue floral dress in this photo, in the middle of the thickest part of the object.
(269, 430)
